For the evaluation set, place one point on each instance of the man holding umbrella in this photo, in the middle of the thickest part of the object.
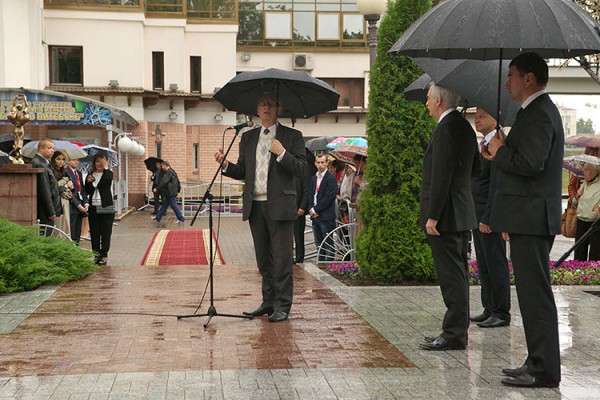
(527, 209)
(270, 157)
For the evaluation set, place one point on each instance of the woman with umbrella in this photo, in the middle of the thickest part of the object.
(98, 186)
(65, 189)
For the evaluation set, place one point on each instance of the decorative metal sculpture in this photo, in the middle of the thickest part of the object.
(18, 116)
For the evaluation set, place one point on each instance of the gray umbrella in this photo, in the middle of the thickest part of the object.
(301, 95)
(474, 81)
(319, 143)
(417, 90)
(498, 29)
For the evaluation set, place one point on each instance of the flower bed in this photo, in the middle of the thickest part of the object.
(571, 272)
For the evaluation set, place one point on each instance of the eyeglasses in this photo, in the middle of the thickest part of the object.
(266, 103)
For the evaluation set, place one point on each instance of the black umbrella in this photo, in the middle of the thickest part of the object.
(151, 163)
(499, 29)
(417, 91)
(471, 80)
(7, 141)
(301, 95)
(319, 143)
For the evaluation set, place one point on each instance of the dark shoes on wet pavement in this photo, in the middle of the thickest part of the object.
(259, 311)
(278, 316)
(441, 344)
(493, 322)
(527, 381)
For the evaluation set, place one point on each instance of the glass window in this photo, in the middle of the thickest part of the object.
(196, 74)
(353, 27)
(66, 65)
(328, 26)
(278, 25)
(304, 26)
(158, 149)
(158, 70)
(195, 156)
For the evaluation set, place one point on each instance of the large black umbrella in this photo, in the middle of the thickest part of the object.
(472, 80)
(301, 95)
(151, 163)
(417, 91)
(319, 143)
(501, 29)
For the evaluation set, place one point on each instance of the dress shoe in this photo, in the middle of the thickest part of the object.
(441, 344)
(515, 371)
(527, 381)
(278, 316)
(262, 310)
(493, 322)
(479, 318)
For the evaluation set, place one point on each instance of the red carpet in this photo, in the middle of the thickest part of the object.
(181, 247)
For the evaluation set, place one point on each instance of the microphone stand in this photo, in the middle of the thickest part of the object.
(212, 311)
(595, 226)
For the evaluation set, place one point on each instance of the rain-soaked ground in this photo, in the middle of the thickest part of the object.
(115, 335)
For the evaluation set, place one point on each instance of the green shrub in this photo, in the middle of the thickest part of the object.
(28, 261)
(392, 247)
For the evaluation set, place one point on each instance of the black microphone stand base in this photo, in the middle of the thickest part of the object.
(212, 312)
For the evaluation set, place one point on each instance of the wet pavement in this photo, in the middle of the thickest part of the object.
(115, 335)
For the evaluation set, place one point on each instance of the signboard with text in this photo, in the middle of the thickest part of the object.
(47, 109)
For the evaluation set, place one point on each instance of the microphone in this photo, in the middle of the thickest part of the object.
(247, 124)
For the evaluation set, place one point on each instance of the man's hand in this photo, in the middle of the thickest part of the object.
(52, 217)
(276, 147)
(484, 228)
(300, 212)
(219, 158)
(430, 227)
(505, 236)
(489, 151)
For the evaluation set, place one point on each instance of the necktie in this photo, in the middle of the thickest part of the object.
(262, 164)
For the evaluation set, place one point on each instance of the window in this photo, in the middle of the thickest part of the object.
(195, 74)
(196, 156)
(158, 150)
(300, 23)
(66, 65)
(351, 90)
(158, 70)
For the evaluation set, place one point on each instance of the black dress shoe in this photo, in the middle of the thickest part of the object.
(479, 318)
(441, 344)
(515, 371)
(493, 322)
(259, 311)
(527, 381)
(278, 316)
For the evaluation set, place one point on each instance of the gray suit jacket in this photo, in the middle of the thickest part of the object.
(446, 183)
(528, 197)
(281, 188)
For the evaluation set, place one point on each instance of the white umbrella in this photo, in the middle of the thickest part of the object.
(71, 150)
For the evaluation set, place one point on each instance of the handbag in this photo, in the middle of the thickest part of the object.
(105, 210)
(569, 221)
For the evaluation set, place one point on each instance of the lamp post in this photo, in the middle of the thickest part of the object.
(372, 10)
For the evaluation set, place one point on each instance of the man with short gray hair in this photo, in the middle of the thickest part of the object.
(448, 212)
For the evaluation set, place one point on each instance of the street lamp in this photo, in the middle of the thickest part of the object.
(372, 10)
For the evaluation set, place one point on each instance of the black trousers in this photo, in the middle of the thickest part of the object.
(157, 202)
(530, 258)
(299, 227)
(100, 231)
(590, 248)
(493, 273)
(76, 222)
(273, 245)
(450, 259)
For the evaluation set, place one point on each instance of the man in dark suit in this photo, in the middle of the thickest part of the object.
(321, 199)
(302, 185)
(48, 197)
(527, 210)
(79, 202)
(270, 157)
(489, 246)
(156, 177)
(447, 212)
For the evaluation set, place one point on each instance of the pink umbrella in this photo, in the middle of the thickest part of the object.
(583, 141)
(336, 142)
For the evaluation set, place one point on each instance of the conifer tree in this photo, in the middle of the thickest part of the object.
(391, 246)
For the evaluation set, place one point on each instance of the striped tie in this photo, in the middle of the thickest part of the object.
(262, 164)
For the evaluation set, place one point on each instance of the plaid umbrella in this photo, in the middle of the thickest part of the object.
(71, 150)
(85, 164)
(574, 164)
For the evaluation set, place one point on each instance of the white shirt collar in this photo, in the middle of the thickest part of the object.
(531, 98)
(448, 111)
(271, 129)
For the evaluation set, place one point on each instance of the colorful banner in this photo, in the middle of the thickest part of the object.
(47, 109)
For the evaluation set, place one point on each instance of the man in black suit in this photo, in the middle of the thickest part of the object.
(489, 246)
(321, 200)
(447, 212)
(527, 210)
(48, 196)
(270, 157)
(79, 202)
